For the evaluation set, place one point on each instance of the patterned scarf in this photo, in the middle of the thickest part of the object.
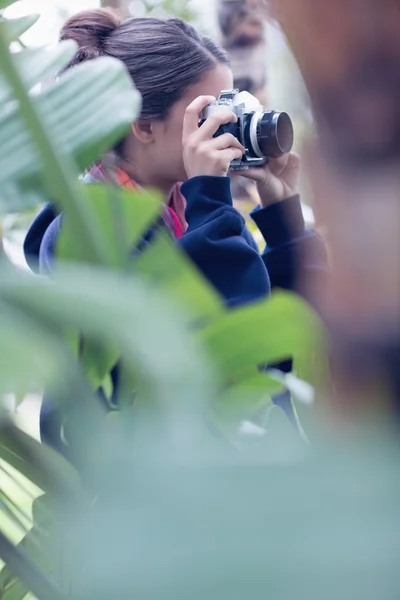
(173, 215)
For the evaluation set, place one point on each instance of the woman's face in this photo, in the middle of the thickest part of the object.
(167, 147)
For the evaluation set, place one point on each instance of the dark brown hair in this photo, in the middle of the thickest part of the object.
(163, 57)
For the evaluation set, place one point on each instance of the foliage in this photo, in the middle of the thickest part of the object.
(170, 8)
(170, 485)
(157, 8)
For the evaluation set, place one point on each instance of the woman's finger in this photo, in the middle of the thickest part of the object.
(214, 122)
(255, 173)
(277, 165)
(226, 140)
(192, 115)
(229, 155)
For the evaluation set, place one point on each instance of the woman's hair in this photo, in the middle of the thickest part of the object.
(163, 57)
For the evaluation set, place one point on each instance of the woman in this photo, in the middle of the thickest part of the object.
(178, 73)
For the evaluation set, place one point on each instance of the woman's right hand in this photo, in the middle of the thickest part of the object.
(202, 153)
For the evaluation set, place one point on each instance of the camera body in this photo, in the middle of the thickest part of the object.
(263, 134)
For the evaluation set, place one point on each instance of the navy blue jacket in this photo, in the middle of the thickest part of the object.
(219, 243)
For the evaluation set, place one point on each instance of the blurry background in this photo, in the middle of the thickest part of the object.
(247, 30)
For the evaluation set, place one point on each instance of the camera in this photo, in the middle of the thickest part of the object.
(263, 134)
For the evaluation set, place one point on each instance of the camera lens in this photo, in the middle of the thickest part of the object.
(271, 134)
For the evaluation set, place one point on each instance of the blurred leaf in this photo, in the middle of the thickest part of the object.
(123, 217)
(270, 331)
(43, 544)
(24, 520)
(97, 361)
(5, 3)
(87, 111)
(243, 526)
(37, 64)
(125, 314)
(8, 512)
(244, 398)
(12, 588)
(104, 306)
(14, 28)
(27, 571)
(171, 272)
(40, 464)
(32, 356)
(35, 355)
(28, 356)
(59, 172)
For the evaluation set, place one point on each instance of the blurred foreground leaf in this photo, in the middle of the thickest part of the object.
(14, 28)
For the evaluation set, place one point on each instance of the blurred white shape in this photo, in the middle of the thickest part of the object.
(301, 390)
(308, 214)
(13, 235)
(9, 402)
(14, 251)
(249, 429)
(137, 9)
(52, 13)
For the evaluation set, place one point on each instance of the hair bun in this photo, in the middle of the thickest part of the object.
(90, 30)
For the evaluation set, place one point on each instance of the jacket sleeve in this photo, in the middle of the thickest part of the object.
(219, 243)
(48, 246)
(295, 257)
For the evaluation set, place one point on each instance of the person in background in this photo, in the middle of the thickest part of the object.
(242, 31)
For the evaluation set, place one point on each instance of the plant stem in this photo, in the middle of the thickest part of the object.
(58, 171)
(22, 567)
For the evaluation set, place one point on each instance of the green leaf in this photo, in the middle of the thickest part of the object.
(107, 386)
(14, 28)
(36, 355)
(270, 331)
(123, 217)
(11, 512)
(243, 399)
(87, 111)
(59, 173)
(5, 3)
(29, 357)
(97, 361)
(27, 571)
(43, 544)
(125, 314)
(46, 546)
(47, 469)
(171, 272)
(103, 305)
(24, 518)
(335, 514)
(37, 64)
(33, 357)
(12, 588)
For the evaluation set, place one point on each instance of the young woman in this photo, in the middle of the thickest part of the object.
(178, 73)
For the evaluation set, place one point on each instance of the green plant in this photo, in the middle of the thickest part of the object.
(158, 8)
(192, 364)
(171, 8)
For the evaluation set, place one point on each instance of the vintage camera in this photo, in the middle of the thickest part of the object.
(264, 134)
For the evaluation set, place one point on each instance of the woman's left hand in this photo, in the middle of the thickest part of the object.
(277, 180)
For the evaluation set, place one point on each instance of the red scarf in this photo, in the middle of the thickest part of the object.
(174, 215)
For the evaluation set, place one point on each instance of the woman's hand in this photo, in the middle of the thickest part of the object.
(277, 180)
(203, 154)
